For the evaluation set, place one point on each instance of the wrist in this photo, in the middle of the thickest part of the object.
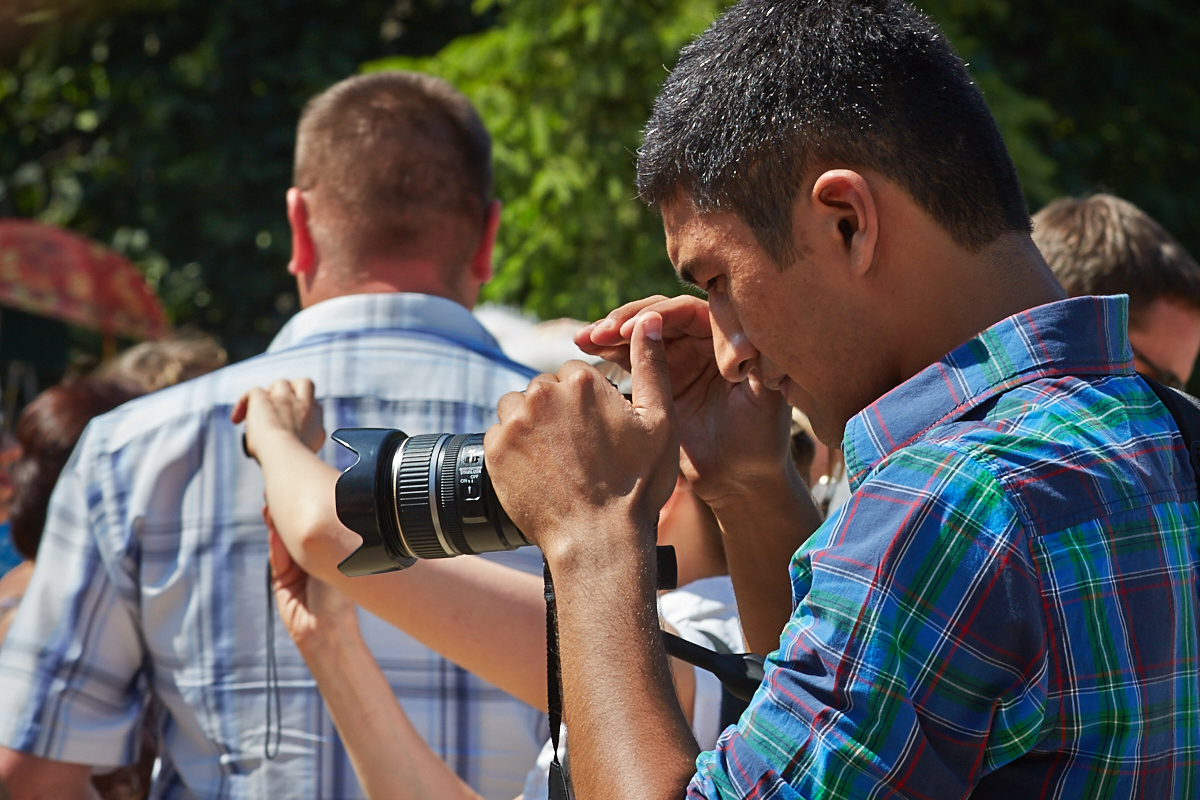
(615, 544)
(272, 440)
(329, 641)
(751, 489)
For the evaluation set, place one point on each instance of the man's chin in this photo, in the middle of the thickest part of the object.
(796, 397)
(829, 434)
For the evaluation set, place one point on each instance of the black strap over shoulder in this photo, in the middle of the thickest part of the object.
(1185, 410)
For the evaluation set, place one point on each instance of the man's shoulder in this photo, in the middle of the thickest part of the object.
(1066, 449)
(382, 365)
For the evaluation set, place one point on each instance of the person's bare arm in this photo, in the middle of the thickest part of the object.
(488, 619)
(762, 530)
(734, 443)
(390, 758)
(33, 778)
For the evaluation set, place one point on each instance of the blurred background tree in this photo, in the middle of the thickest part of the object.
(165, 127)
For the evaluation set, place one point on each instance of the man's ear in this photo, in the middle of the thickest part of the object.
(847, 209)
(304, 250)
(481, 262)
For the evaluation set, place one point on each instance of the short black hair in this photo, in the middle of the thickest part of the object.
(776, 88)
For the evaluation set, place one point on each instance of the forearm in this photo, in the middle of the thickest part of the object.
(390, 758)
(488, 619)
(300, 495)
(629, 737)
(762, 528)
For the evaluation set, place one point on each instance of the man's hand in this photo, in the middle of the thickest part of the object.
(584, 473)
(571, 452)
(733, 436)
(734, 452)
(284, 408)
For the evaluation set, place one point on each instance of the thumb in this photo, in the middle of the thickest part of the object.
(648, 359)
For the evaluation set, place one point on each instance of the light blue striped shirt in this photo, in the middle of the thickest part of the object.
(150, 581)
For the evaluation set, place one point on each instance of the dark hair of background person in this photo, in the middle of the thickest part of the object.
(1105, 245)
(777, 88)
(48, 430)
(390, 153)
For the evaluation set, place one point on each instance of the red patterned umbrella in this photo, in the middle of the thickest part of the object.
(52, 272)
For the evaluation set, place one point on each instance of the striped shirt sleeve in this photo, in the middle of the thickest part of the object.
(915, 660)
(72, 662)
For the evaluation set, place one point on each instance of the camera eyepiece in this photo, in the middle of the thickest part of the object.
(426, 496)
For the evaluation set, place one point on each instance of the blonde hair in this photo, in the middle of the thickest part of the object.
(1105, 245)
(151, 366)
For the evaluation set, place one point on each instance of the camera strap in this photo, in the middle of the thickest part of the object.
(274, 703)
(558, 777)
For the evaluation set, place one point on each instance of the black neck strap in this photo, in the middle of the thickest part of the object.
(558, 778)
(274, 726)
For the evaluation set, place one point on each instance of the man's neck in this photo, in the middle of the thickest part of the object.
(417, 278)
(969, 292)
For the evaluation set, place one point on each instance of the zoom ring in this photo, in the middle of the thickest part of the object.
(412, 497)
(448, 510)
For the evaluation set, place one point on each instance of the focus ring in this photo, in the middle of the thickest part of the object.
(448, 508)
(412, 497)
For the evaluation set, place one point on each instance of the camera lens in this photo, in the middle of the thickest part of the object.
(425, 496)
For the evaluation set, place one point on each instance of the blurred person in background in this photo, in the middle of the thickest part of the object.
(49, 428)
(1102, 245)
(46, 432)
(10, 451)
(155, 365)
(151, 583)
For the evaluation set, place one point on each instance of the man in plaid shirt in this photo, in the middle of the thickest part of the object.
(1006, 607)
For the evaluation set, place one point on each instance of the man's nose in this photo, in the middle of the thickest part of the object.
(735, 355)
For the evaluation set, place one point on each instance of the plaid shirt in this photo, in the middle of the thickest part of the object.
(150, 580)
(1006, 607)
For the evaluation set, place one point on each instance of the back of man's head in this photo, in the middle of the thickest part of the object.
(1105, 245)
(776, 89)
(397, 165)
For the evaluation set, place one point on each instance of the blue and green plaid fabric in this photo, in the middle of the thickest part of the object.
(1006, 607)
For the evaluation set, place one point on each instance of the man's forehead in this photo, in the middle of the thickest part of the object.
(693, 234)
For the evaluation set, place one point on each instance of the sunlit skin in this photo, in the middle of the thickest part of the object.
(1165, 335)
(860, 309)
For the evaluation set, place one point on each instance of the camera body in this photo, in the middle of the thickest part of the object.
(411, 497)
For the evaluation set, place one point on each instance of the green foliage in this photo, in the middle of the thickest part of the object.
(565, 87)
(1122, 81)
(166, 127)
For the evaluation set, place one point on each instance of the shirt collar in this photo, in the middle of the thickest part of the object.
(359, 313)
(1080, 336)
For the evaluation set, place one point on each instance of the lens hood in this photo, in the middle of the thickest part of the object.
(357, 507)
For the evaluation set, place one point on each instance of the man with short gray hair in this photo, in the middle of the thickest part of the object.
(150, 594)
